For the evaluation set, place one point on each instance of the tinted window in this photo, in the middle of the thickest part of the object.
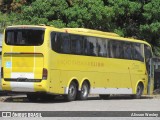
(127, 50)
(91, 46)
(102, 47)
(137, 52)
(121, 50)
(111, 51)
(56, 41)
(60, 42)
(65, 46)
(115, 48)
(76, 44)
(24, 37)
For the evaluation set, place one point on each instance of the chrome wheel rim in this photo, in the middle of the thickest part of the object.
(84, 90)
(72, 91)
(138, 90)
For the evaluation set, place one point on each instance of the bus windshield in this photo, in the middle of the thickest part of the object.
(24, 36)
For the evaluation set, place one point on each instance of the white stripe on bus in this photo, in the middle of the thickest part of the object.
(111, 91)
(22, 86)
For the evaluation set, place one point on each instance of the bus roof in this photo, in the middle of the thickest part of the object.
(92, 31)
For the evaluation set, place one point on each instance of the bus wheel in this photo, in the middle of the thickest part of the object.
(139, 91)
(105, 97)
(83, 94)
(32, 97)
(72, 92)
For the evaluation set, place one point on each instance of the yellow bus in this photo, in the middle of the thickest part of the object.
(73, 62)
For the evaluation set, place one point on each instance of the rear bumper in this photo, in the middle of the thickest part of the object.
(24, 86)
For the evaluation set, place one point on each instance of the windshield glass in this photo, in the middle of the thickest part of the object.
(24, 36)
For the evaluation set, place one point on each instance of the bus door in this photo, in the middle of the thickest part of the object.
(150, 70)
(149, 62)
(156, 62)
(154, 75)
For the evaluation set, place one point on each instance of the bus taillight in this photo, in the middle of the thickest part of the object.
(1, 72)
(44, 74)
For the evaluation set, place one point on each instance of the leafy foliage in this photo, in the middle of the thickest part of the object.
(150, 28)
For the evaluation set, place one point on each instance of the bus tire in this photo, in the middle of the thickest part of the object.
(104, 97)
(83, 94)
(72, 92)
(139, 91)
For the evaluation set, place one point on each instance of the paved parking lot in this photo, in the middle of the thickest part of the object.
(94, 103)
(115, 103)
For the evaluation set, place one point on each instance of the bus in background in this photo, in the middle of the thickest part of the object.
(74, 62)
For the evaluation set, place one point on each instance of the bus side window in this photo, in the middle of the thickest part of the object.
(137, 52)
(114, 47)
(127, 50)
(91, 46)
(76, 44)
(55, 42)
(102, 51)
(120, 51)
(85, 46)
(106, 47)
(110, 49)
(66, 47)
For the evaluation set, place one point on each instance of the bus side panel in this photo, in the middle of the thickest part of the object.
(118, 73)
(55, 83)
(101, 83)
(100, 72)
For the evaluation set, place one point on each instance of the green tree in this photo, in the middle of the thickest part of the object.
(89, 14)
(43, 12)
(6, 20)
(126, 19)
(150, 27)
